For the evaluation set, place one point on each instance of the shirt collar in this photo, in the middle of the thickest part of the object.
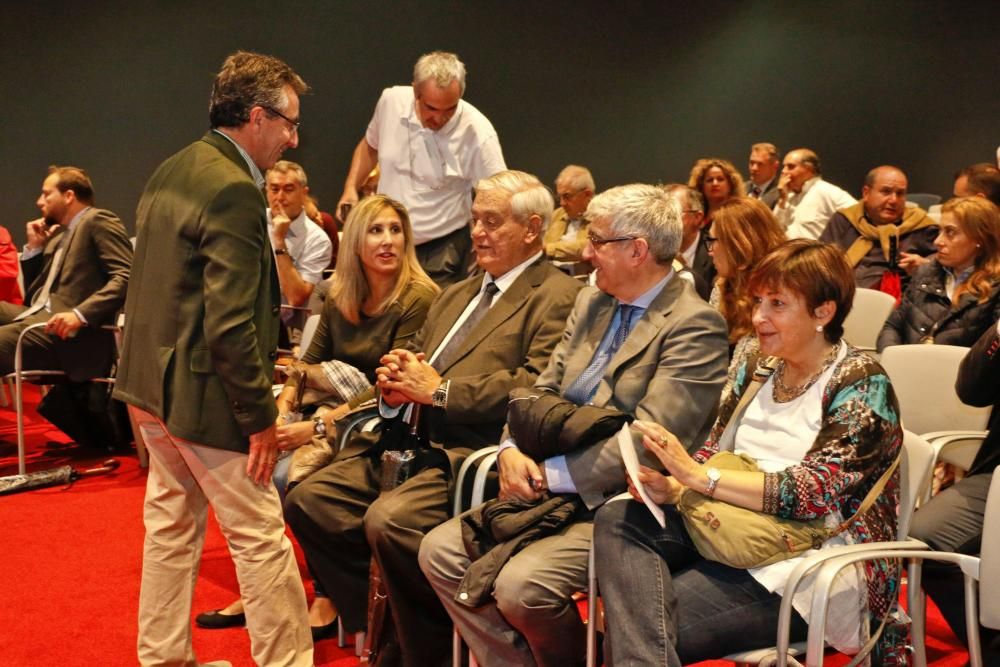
(647, 297)
(961, 276)
(504, 282)
(809, 184)
(76, 218)
(294, 229)
(254, 169)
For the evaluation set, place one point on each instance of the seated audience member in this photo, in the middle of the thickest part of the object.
(955, 296)
(301, 248)
(566, 236)
(881, 234)
(764, 165)
(642, 344)
(328, 224)
(717, 180)
(693, 250)
(379, 299)
(76, 267)
(482, 338)
(743, 233)
(806, 202)
(671, 605)
(979, 180)
(9, 269)
(953, 519)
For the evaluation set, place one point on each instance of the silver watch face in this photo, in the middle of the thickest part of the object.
(713, 474)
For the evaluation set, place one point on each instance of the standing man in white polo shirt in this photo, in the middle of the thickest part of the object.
(431, 147)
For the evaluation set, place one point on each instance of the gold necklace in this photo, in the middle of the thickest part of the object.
(782, 393)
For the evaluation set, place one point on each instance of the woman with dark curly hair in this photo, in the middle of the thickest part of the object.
(717, 180)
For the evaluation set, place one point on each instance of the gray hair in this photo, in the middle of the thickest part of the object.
(576, 177)
(692, 199)
(442, 67)
(289, 167)
(528, 196)
(643, 211)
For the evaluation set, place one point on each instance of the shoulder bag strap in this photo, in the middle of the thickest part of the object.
(764, 370)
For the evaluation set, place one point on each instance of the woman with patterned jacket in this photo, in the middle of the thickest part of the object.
(822, 428)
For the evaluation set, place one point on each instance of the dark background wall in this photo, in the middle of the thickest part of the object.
(636, 91)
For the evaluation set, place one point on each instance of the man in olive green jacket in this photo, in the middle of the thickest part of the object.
(201, 329)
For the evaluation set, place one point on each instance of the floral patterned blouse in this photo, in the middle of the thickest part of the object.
(859, 439)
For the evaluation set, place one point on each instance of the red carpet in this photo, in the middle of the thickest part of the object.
(71, 562)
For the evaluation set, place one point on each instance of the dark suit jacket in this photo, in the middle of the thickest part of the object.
(508, 348)
(771, 193)
(703, 268)
(93, 279)
(978, 384)
(201, 318)
(670, 370)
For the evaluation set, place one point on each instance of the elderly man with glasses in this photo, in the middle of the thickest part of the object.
(641, 343)
(566, 236)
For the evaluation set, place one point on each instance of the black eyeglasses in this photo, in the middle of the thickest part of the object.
(294, 123)
(598, 242)
(710, 242)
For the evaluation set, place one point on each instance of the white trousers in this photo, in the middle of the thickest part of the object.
(184, 479)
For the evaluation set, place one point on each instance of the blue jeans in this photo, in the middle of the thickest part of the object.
(666, 604)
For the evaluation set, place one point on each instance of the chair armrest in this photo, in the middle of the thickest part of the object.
(360, 420)
(832, 566)
(807, 564)
(471, 460)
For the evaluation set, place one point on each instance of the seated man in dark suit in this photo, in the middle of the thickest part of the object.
(694, 245)
(483, 337)
(953, 519)
(76, 267)
(642, 343)
(881, 233)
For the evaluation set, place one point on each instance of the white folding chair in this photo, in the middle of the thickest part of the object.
(984, 569)
(869, 311)
(923, 377)
(914, 474)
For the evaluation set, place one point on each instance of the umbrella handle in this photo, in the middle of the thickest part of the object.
(107, 466)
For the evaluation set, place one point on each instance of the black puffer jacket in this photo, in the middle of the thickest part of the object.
(926, 310)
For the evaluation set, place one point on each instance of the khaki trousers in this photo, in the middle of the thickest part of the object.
(184, 479)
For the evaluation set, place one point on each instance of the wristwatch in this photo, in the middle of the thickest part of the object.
(282, 251)
(319, 426)
(439, 399)
(713, 481)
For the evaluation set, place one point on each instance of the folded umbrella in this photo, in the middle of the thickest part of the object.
(61, 475)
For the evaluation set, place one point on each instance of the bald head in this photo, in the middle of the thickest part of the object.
(979, 180)
(884, 195)
(799, 166)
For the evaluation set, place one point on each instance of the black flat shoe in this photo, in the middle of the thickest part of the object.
(321, 632)
(213, 620)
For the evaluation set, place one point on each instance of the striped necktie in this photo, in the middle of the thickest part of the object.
(444, 358)
(585, 386)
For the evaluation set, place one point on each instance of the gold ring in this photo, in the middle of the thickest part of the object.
(663, 441)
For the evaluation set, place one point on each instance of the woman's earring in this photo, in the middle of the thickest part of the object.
(819, 328)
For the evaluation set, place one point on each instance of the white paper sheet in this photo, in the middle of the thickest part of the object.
(632, 467)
